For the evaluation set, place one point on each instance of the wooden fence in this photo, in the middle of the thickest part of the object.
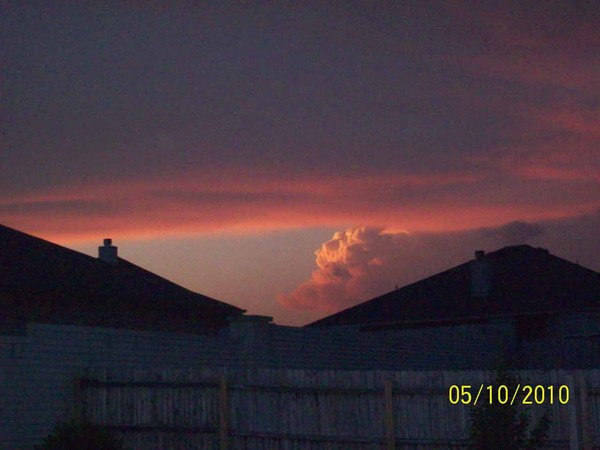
(256, 409)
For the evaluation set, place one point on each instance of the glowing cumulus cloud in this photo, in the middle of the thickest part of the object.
(364, 262)
(352, 266)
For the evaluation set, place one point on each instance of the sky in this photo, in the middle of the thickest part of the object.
(297, 158)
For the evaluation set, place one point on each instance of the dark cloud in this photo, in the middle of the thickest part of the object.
(122, 90)
(515, 233)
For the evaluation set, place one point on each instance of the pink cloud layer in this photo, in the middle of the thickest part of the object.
(239, 202)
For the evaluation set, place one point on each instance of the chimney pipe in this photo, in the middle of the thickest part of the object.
(481, 275)
(108, 252)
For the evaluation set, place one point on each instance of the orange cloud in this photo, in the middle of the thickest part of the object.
(556, 141)
(361, 263)
(240, 203)
(540, 58)
(346, 264)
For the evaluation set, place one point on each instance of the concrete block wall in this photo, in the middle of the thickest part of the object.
(457, 347)
(580, 324)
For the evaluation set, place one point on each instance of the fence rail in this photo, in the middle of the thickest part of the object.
(255, 409)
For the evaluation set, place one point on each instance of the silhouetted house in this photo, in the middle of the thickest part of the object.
(63, 313)
(549, 306)
(43, 282)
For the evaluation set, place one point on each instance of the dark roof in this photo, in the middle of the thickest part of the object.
(42, 281)
(524, 280)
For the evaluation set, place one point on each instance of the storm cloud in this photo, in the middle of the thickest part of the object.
(360, 263)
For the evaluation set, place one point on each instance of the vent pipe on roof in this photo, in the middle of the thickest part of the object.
(481, 275)
(108, 252)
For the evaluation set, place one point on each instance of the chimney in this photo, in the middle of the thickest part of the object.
(481, 275)
(108, 252)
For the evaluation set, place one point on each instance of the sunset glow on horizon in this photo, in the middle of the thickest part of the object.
(247, 141)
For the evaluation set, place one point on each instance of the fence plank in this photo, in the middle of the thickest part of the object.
(77, 400)
(223, 415)
(573, 420)
(389, 415)
(586, 438)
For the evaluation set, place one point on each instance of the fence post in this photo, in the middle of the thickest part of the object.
(586, 438)
(573, 423)
(223, 415)
(77, 400)
(389, 415)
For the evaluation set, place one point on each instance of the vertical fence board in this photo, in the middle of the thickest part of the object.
(586, 439)
(389, 415)
(573, 415)
(223, 415)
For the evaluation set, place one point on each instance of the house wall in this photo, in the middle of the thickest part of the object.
(572, 341)
(456, 347)
(582, 340)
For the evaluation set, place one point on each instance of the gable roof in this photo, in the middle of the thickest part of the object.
(523, 280)
(42, 281)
